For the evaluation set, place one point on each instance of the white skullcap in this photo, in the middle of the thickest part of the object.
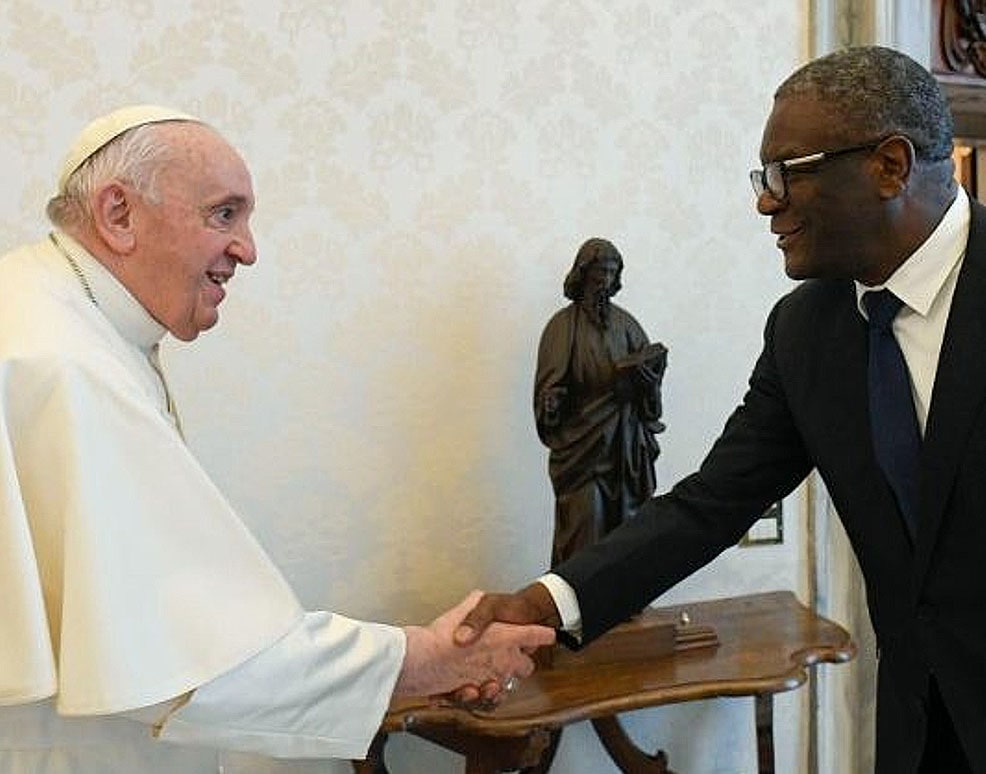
(103, 129)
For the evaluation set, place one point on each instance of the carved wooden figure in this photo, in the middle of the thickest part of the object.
(597, 403)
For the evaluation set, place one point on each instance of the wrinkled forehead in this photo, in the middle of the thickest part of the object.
(203, 160)
(198, 143)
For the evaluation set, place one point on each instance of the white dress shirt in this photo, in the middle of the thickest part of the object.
(925, 282)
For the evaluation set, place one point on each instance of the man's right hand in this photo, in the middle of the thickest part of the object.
(530, 605)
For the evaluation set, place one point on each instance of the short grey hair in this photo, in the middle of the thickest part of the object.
(878, 92)
(135, 157)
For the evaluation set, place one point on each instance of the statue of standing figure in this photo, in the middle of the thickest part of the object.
(597, 403)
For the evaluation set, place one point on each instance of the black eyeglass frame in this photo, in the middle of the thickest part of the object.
(772, 177)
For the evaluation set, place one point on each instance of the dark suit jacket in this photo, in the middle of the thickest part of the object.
(807, 407)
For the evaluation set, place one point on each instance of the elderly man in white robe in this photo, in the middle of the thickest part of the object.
(136, 604)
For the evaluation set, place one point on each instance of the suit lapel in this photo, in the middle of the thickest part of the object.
(959, 391)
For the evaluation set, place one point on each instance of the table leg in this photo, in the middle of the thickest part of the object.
(488, 754)
(765, 732)
(476, 765)
(630, 758)
(548, 756)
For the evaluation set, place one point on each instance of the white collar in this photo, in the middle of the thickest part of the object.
(124, 312)
(920, 278)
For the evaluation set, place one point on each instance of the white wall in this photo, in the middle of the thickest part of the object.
(425, 171)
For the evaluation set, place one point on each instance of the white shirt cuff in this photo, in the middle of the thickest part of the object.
(566, 602)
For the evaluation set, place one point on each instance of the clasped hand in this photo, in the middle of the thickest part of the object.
(472, 673)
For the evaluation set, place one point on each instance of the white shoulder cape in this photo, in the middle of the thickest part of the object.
(126, 577)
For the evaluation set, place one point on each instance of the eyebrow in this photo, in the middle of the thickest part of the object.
(238, 200)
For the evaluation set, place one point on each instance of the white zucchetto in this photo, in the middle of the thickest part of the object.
(105, 128)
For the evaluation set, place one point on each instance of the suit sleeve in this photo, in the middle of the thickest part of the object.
(759, 458)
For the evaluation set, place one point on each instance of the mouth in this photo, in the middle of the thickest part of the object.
(218, 278)
(785, 238)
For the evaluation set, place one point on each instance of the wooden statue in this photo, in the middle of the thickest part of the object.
(597, 403)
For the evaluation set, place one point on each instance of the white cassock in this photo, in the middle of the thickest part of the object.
(131, 590)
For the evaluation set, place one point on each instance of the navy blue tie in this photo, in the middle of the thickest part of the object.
(894, 424)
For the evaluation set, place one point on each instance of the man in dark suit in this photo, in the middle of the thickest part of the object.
(857, 183)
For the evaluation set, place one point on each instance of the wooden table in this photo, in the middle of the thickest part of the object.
(766, 642)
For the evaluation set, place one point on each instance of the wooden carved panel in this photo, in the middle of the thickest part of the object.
(958, 61)
(962, 36)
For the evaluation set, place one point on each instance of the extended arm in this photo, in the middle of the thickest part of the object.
(759, 458)
(323, 689)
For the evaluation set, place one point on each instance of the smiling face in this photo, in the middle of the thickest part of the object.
(188, 243)
(826, 226)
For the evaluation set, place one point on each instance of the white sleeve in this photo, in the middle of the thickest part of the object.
(320, 692)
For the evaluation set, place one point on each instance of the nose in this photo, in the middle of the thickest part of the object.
(767, 204)
(242, 248)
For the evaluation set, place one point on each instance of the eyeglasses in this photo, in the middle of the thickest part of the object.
(773, 177)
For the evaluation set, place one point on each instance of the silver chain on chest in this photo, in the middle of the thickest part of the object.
(76, 269)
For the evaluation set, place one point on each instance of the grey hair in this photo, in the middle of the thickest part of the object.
(878, 92)
(135, 157)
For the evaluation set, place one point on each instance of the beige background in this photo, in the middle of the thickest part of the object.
(425, 171)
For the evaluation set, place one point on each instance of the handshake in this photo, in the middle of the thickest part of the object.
(475, 652)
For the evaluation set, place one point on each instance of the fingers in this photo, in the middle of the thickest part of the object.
(467, 695)
(491, 690)
(534, 637)
(478, 697)
(525, 669)
(477, 619)
(501, 649)
(519, 642)
(458, 612)
(451, 619)
(531, 605)
(508, 608)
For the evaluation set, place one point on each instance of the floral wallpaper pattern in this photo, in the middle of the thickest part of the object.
(425, 171)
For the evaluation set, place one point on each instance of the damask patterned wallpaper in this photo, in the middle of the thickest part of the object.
(425, 171)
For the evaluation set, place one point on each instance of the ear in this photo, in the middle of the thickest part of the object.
(113, 216)
(895, 163)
